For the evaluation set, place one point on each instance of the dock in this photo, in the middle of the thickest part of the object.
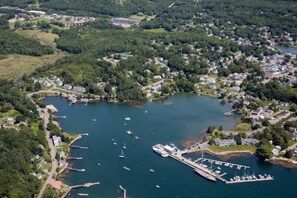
(80, 147)
(250, 180)
(218, 162)
(74, 158)
(86, 185)
(76, 169)
(64, 117)
(208, 173)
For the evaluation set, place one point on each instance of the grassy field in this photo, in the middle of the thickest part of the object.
(158, 30)
(14, 66)
(243, 127)
(233, 148)
(44, 37)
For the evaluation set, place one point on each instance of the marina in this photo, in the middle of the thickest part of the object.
(179, 180)
(203, 170)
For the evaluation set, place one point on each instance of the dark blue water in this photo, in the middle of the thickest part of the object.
(185, 118)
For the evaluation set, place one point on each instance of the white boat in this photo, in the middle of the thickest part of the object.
(159, 148)
(226, 164)
(218, 172)
(152, 170)
(126, 168)
(136, 138)
(127, 118)
(94, 120)
(219, 168)
(145, 111)
(99, 164)
(122, 154)
(115, 143)
(129, 132)
(124, 147)
(157, 186)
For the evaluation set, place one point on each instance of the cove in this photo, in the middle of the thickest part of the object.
(174, 120)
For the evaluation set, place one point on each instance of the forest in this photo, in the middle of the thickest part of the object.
(18, 146)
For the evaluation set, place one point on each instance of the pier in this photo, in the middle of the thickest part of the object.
(249, 180)
(86, 185)
(64, 117)
(74, 158)
(76, 169)
(201, 169)
(218, 162)
(80, 147)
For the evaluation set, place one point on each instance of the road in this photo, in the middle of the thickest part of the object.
(53, 152)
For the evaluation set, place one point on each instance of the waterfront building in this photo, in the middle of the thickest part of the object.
(224, 142)
(57, 141)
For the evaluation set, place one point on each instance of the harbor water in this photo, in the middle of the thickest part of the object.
(174, 120)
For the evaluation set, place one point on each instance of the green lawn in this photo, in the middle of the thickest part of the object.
(158, 30)
(243, 127)
(232, 148)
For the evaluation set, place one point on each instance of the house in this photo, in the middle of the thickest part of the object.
(125, 55)
(36, 157)
(224, 142)
(8, 120)
(257, 111)
(57, 185)
(249, 141)
(41, 164)
(56, 141)
(79, 89)
(62, 155)
(67, 86)
(23, 16)
(292, 129)
(52, 108)
(125, 22)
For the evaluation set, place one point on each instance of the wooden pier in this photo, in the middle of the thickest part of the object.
(86, 185)
(74, 158)
(80, 147)
(76, 169)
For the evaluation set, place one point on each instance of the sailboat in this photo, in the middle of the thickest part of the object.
(122, 154)
(124, 147)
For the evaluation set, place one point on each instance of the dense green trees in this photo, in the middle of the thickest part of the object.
(12, 43)
(18, 147)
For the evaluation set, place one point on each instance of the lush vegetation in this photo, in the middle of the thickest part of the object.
(19, 144)
(12, 43)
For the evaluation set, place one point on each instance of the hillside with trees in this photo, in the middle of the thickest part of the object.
(19, 143)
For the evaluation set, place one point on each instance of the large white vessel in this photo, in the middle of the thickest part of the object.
(159, 148)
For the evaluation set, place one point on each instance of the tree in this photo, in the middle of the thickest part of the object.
(264, 151)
